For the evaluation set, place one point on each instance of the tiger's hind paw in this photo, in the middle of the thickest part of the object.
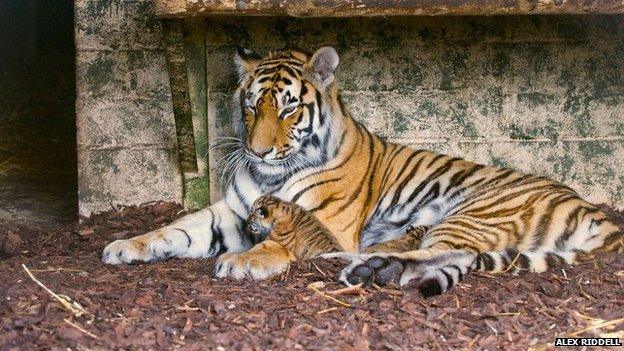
(376, 269)
(430, 276)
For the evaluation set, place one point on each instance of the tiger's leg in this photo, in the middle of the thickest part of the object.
(408, 242)
(588, 232)
(435, 270)
(451, 249)
(447, 253)
(205, 233)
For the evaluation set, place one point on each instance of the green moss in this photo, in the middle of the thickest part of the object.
(401, 122)
(500, 162)
(99, 73)
(536, 98)
(500, 63)
(196, 192)
(595, 148)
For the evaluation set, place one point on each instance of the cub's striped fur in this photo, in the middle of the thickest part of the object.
(296, 140)
(290, 226)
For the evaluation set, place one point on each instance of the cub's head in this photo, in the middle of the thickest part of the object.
(262, 218)
(285, 108)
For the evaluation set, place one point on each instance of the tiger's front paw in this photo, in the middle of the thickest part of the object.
(262, 261)
(126, 251)
(157, 245)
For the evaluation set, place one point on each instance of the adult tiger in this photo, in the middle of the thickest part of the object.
(299, 143)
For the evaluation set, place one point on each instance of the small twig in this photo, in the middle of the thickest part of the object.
(355, 289)
(512, 264)
(73, 307)
(318, 269)
(341, 303)
(88, 333)
(52, 233)
(600, 325)
(491, 327)
(391, 292)
(285, 275)
(583, 292)
(58, 270)
(327, 310)
(508, 314)
(188, 308)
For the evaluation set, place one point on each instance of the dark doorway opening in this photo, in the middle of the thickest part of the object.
(37, 113)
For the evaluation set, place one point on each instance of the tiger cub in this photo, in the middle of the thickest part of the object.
(290, 226)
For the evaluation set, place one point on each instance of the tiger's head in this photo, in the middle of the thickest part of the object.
(286, 109)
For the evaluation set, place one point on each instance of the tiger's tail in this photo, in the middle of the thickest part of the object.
(514, 261)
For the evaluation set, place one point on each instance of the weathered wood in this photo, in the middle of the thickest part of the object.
(176, 64)
(171, 7)
(349, 8)
(185, 51)
(196, 187)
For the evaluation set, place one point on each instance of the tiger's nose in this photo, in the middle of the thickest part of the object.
(262, 152)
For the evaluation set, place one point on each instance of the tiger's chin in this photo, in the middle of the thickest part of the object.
(271, 170)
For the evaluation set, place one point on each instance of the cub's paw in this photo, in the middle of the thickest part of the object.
(262, 261)
(376, 269)
(154, 246)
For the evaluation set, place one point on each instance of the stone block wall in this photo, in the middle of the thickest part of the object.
(127, 150)
(542, 94)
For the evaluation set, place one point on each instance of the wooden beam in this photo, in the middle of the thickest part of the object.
(350, 8)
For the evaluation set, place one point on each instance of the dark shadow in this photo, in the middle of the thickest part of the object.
(37, 112)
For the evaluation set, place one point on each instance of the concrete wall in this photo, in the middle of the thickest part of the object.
(127, 149)
(539, 94)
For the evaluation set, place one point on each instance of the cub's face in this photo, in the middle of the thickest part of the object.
(261, 220)
(280, 98)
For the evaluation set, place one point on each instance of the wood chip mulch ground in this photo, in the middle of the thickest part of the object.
(177, 304)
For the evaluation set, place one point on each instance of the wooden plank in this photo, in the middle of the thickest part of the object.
(178, 80)
(196, 184)
(350, 8)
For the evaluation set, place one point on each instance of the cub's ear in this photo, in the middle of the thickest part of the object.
(245, 61)
(323, 64)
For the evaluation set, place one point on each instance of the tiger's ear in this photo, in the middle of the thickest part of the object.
(323, 64)
(245, 61)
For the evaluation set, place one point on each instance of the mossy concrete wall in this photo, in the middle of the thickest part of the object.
(539, 94)
(127, 149)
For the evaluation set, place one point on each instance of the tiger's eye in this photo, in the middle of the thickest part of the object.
(262, 212)
(287, 111)
(249, 106)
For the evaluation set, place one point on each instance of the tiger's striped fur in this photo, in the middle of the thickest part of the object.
(297, 141)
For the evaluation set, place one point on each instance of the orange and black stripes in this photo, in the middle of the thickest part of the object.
(362, 191)
(292, 227)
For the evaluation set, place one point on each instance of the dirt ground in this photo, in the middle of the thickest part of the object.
(177, 304)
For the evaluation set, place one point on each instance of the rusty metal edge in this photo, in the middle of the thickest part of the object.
(371, 8)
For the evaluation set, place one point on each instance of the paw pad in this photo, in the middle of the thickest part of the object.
(376, 270)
